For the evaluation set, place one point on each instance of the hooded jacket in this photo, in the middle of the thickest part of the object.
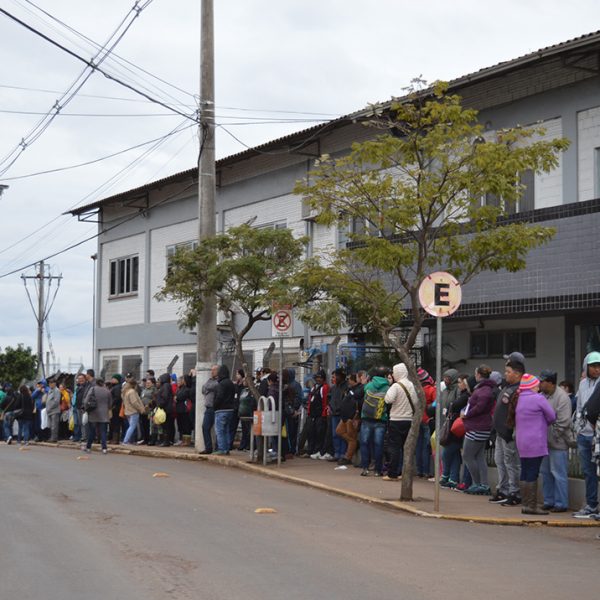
(533, 415)
(337, 393)
(296, 393)
(557, 433)
(500, 417)
(164, 396)
(585, 391)
(401, 402)
(225, 392)
(378, 385)
(450, 394)
(480, 407)
(131, 401)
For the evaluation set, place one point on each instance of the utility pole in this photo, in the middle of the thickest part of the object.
(206, 349)
(43, 309)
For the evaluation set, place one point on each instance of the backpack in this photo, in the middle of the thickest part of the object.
(373, 406)
(91, 403)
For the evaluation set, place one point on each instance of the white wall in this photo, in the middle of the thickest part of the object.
(128, 310)
(550, 335)
(160, 356)
(548, 186)
(588, 138)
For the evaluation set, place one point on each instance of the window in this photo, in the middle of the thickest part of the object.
(124, 276)
(273, 225)
(495, 344)
(596, 172)
(525, 203)
(189, 362)
(191, 245)
(132, 364)
(110, 365)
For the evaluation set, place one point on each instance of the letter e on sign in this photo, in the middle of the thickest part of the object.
(440, 294)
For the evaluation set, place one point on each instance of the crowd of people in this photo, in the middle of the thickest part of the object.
(360, 419)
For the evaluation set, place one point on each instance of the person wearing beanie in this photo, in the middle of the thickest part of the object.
(531, 418)
(423, 451)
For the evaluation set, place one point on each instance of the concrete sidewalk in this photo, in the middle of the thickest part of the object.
(347, 482)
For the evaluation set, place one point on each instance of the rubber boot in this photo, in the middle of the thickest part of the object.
(530, 501)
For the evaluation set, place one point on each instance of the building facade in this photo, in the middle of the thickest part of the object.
(550, 311)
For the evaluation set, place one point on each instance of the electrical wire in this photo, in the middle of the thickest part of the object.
(62, 114)
(72, 91)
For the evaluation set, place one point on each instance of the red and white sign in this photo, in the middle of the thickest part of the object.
(440, 294)
(282, 320)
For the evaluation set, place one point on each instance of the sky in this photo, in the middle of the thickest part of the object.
(280, 66)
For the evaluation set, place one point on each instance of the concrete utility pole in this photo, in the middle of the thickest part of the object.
(206, 350)
(43, 309)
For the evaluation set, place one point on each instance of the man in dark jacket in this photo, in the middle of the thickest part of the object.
(164, 400)
(115, 420)
(223, 405)
(506, 454)
(338, 391)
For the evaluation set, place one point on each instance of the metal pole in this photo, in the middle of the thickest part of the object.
(94, 257)
(280, 402)
(206, 348)
(438, 410)
(41, 310)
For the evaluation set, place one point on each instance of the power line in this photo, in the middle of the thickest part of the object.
(94, 67)
(63, 114)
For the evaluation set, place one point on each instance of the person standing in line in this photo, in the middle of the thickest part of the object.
(223, 405)
(585, 436)
(183, 404)
(24, 417)
(530, 414)
(555, 466)
(506, 454)
(164, 400)
(97, 404)
(133, 407)
(53, 398)
(477, 418)
(423, 451)
(349, 414)
(339, 388)
(208, 391)
(147, 397)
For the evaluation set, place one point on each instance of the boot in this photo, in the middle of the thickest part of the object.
(164, 440)
(530, 502)
(152, 440)
(186, 440)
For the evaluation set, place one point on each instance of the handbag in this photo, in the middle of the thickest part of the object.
(445, 432)
(458, 428)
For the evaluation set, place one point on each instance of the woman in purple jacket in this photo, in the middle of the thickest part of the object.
(532, 416)
(477, 418)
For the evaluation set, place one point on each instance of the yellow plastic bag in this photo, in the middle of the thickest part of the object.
(433, 442)
(71, 423)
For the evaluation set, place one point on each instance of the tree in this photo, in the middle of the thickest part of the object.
(245, 268)
(430, 190)
(17, 365)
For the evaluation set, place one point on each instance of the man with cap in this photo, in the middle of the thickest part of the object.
(585, 437)
(555, 466)
(506, 454)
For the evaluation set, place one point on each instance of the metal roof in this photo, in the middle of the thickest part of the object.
(305, 136)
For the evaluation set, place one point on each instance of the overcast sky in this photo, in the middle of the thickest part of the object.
(276, 60)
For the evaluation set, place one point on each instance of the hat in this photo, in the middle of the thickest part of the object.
(118, 377)
(129, 376)
(528, 382)
(422, 374)
(515, 357)
(496, 377)
(548, 375)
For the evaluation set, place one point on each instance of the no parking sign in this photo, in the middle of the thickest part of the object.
(282, 320)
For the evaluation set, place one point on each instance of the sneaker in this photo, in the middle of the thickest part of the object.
(512, 500)
(87, 450)
(344, 461)
(364, 473)
(9, 440)
(562, 509)
(325, 456)
(498, 498)
(104, 451)
(388, 478)
(315, 456)
(586, 512)
(378, 474)
(478, 490)
(448, 483)
(461, 487)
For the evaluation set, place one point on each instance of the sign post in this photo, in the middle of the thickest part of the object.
(440, 296)
(281, 326)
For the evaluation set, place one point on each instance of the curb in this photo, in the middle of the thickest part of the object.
(396, 505)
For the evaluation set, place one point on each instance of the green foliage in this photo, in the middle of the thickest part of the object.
(17, 365)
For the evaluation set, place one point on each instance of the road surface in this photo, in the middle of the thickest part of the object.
(106, 528)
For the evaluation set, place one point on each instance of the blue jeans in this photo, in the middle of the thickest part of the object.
(424, 450)
(555, 478)
(102, 429)
(133, 421)
(207, 424)
(24, 430)
(223, 429)
(585, 450)
(371, 432)
(452, 460)
(339, 444)
(7, 424)
(77, 414)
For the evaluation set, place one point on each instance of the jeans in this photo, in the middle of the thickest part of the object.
(397, 434)
(555, 478)
(530, 468)
(424, 450)
(131, 432)
(7, 424)
(585, 449)
(92, 429)
(474, 457)
(24, 430)
(77, 416)
(223, 429)
(53, 423)
(339, 444)
(207, 424)
(372, 432)
(246, 428)
(507, 460)
(233, 427)
(452, 459)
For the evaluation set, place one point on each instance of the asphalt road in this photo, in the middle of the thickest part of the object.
(106, 528)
